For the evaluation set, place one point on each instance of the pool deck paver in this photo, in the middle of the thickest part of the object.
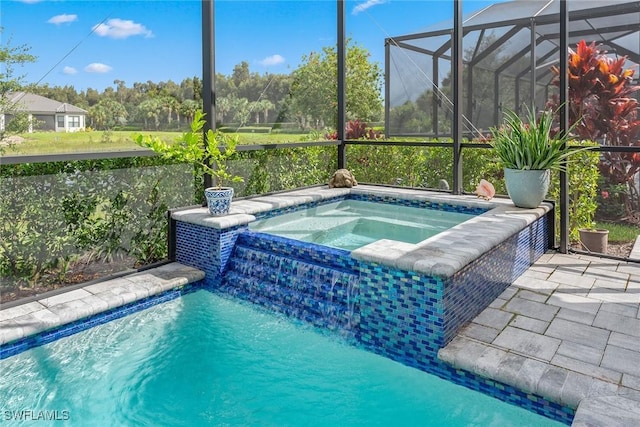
(568, 329)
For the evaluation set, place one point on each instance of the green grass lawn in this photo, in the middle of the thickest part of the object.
(620, 232)
(39, 143)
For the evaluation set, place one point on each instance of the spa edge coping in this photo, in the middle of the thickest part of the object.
(442, 255)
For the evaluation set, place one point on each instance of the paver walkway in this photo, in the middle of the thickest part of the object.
(568, 329)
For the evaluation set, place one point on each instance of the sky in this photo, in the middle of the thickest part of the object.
(90, 44)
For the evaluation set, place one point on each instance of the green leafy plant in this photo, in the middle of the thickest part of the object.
(71, 218)
(530, 146)
(583, 178)
(12, 56)
(192, 147)
(611, 200)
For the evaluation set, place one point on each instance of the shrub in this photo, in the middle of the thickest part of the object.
(356, 129)
(602, 107)
(583, 177)
(91, 209)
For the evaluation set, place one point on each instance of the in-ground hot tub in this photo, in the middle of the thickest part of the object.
(350, 224)
(401, 299)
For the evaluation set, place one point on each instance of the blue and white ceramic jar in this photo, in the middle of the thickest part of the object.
(218, 200)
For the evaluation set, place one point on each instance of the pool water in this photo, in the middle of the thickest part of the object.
(350, 224)
(206, 360)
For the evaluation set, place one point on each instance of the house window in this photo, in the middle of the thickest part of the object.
(74, 121)
(61, 122)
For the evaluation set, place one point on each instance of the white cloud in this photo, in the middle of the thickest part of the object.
(97, 67)
(121, 29)
(69, 70)
(30, 1)
(63, 19)
(272, 60)
(366, 5)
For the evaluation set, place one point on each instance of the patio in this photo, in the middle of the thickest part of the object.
(567, 329)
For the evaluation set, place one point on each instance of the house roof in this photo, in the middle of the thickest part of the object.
(37, 104)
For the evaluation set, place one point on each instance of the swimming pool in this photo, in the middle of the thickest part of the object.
(203, 359)
(351, 224)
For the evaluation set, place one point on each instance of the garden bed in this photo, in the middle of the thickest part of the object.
(78, 272)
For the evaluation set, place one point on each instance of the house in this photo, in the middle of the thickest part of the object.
(46, 114)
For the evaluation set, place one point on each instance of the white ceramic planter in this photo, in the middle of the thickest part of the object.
(527, 188)
(218, 200)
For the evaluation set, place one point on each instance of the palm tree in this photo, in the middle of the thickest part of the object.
(188, 108)
(254, 107)
(170, 104)
(241, 111)
(223, 106)
(265, 105)
(150, 109)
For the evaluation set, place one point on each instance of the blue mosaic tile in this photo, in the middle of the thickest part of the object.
(425, 204)
(393, 315)
(474, 287)
(296, 208)
(315, 284)
(207, 249)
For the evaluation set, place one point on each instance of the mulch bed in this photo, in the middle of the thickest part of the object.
(622, 250)
(79, 272)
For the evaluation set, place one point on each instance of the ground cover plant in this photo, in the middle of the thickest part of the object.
(67, 219)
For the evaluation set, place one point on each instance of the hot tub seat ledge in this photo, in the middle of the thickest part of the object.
(447, 253)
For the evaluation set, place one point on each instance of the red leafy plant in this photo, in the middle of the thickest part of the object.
(356, 129)
(603, 109)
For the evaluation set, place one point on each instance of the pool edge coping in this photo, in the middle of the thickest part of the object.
(597, 403)
(37, 316)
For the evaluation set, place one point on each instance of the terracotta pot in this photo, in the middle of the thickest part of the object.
(594, 240)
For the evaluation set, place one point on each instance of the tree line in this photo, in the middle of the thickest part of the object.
(305, 98)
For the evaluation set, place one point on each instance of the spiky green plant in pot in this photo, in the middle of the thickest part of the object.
(528, 151)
